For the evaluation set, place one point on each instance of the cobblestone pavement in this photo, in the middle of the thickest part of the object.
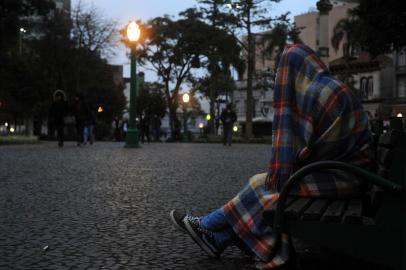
(106, 207)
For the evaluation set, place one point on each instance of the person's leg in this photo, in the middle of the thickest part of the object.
(229, 135)
(224, 135)
(215, 221)
(91, 133)
(85, 134)
(60, 135)
(79, 133)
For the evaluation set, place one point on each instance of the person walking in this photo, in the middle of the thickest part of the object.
(89, 123)
(316, 118)
(144, 128)
(228, 117)
(57, 114)
(156, 127)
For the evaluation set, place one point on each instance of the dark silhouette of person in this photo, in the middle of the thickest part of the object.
(156, 127)
(117, 131)
(228, 117)
(79, 112)
(88, 123)
(144, 128)
(57, 114)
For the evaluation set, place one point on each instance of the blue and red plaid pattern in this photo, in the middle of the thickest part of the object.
(316, 118)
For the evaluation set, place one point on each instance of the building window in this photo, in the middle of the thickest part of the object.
(370, 86)
(364, 87)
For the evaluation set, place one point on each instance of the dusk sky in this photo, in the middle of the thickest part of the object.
(125, 10)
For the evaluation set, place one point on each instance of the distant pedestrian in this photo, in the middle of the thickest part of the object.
(88, 123)
(144, 128)
(117, 131)
(124, 128)
(228, 117)
(79, 112)
(57, 114)
(156, 127)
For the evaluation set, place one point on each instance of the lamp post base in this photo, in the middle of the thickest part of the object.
(131, 139)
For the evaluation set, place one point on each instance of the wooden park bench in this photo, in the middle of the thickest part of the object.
(371, 228)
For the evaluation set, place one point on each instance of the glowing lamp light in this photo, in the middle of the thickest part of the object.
(201, 125)
(12, 130)
(235, 128)
(6, 124)
(100, 109)
(208, 117)
(185, 98)
(399, 115)
(133, 31)
(22, 30)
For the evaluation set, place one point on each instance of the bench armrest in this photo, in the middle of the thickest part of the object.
(323, 165)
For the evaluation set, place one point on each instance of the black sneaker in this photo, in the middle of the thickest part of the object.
(177, 220)
(204, 238)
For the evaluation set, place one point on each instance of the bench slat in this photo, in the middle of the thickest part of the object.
(296, 209)
(353, 214)
(316, 210)
(334, 211)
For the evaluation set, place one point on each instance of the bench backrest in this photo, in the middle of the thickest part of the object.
(391, 160)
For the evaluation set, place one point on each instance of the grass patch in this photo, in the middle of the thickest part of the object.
(18, 139)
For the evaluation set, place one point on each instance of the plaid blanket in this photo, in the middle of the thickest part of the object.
(316, 118)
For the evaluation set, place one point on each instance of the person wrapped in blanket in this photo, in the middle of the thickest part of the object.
(316, 117)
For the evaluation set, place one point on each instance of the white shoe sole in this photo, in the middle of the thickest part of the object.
(199, 241)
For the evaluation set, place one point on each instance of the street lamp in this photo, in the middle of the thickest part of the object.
(133, 34)
(185, 99)
(20, 43)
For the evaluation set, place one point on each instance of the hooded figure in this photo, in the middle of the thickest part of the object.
(57, 114)
(316, 118)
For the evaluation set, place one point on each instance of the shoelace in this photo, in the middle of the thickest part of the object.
(196, 222)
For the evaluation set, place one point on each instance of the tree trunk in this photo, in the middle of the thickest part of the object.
(212, 111)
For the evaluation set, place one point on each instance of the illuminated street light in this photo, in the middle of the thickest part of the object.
(133, 34)
(6, 124)
(100, 109)
(208, 117)
(185, 98)
(12, 130)
(399, 115)
(20, 42)
(235, 128)
(201, 125)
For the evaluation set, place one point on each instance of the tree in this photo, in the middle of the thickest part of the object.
(345, 33)
(151, 100)
(280, 35)
(92, 31)
(382, 24)
(223, 52)
(21, 82)
(250, 14)
(173, 49)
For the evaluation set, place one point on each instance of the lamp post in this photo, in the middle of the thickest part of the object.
(185, 99)
(20, 42)
(133, 34)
